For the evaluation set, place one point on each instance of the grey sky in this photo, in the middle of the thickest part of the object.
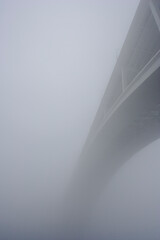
(56, 59)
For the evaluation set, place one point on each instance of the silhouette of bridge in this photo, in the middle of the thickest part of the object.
(128, 118)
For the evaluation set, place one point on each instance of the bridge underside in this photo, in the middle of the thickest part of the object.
(128, 118)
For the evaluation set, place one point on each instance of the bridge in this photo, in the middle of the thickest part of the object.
(128, 118)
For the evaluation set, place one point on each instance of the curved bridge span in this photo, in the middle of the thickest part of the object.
(128, 118)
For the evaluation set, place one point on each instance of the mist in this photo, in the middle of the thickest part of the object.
(129, 206)
(56, 60)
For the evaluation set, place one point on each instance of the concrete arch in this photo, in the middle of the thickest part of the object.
(132, 115)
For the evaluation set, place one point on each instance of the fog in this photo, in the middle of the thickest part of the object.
(56, 60)
(129, 206)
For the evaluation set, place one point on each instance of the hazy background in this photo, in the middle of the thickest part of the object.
(56, 59)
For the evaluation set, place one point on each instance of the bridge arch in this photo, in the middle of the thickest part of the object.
(131, 105)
